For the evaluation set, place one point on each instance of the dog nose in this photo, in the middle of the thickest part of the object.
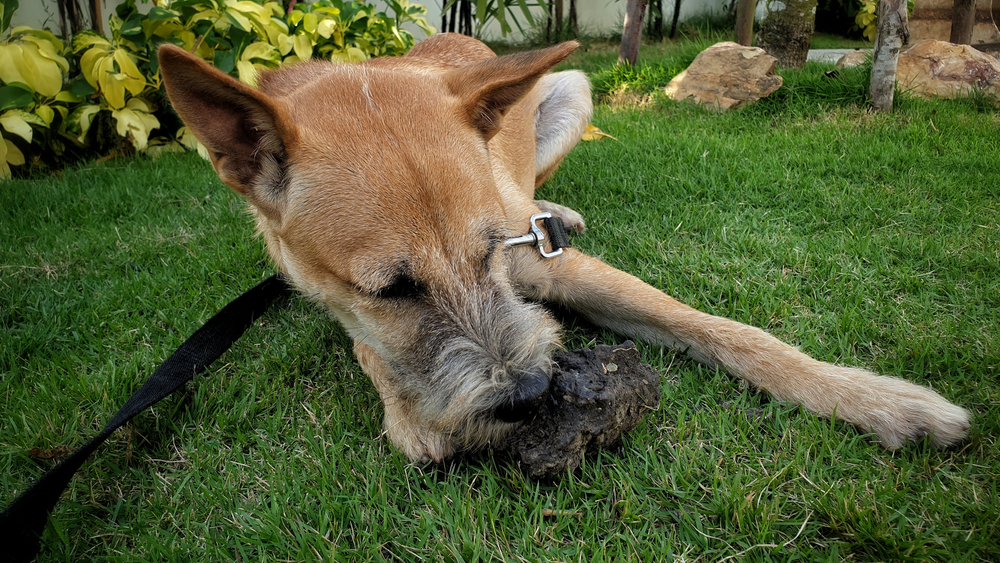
(532, 389)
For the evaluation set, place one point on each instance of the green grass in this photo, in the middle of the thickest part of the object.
(870, 240)
(830, 41)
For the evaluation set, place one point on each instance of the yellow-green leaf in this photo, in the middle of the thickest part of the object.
(43, 34)
(9, 70)
(135, 126)
(49, 50)
(90, 63)
(303, 47)
(326, 28)
(86, 39)
(68, 97)
(138, 104)
(261, 50)
(4, 167)
(309, 23)
(285, 44)
(592, 133)
(111, 86)
(14, 155)
(79, 122)
(46, 113)
(247, 72)
(187, 138)
(238, 19)
(132, 78)
(248, 7)
(24, 63)
(15, 123)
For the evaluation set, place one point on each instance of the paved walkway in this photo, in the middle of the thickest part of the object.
(829, 55)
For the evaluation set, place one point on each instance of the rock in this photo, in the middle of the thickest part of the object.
(946, 70)
(854, 58)
(725, 76)
(596, 396)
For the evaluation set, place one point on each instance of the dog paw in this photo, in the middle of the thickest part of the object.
(909, 412)
(572, 220)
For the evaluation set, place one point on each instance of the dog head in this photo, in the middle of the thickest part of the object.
(379, 193)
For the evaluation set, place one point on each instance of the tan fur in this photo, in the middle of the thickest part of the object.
(385, 189)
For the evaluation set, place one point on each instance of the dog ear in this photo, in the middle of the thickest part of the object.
(247, 133)
(489, 88)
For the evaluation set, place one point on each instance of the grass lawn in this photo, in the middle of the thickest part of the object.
(871, 240)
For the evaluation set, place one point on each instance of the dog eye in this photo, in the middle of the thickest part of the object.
(402, 287)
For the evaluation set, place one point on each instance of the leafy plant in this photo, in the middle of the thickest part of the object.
(51, 92)
(501, 11)
(866, 19)
(32, 70)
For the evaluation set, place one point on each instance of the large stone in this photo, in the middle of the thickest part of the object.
(852, 59)
(725, 76)
(945, 70)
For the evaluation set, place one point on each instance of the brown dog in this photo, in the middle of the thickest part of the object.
(389, 190)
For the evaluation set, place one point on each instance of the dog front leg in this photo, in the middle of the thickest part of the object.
(894, 409)
(417, 442)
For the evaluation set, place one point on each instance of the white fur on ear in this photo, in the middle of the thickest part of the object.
(561, 117)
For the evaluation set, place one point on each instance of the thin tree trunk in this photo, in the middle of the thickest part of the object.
(677, 13)
(70, 18)
(787, 31)
(559, 16)
(465, 23)
(548, 22)
(893, 32)
(658, 24)
(654, 23)
(573, 24)
(745, 10)
(454, 14)
(632, 31)
(963, 19)
(96, 19)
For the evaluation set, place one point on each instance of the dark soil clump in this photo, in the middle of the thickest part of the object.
(596, 396)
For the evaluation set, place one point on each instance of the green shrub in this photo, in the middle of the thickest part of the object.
(103, 95)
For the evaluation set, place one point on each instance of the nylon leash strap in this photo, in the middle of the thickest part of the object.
(22, 523)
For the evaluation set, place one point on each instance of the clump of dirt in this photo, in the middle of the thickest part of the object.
(596, 397)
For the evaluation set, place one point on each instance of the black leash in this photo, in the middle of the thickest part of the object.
(22, 523)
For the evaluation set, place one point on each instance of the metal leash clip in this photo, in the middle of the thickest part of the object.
(537, 237)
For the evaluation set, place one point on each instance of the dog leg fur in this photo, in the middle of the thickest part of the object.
(894, 409)
(571, 219)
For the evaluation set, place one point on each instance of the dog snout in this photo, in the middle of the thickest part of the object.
(532, 389)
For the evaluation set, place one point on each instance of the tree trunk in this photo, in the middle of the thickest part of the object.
(673, 24)
(548, 22)
(70, 18)
(632, 31)
(574, 25)
(559, 16)
(465, 18)
(745, 10)
(893, 32)
(963, 19)
(787, 30)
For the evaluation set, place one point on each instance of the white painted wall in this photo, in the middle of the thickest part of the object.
(596, 17)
